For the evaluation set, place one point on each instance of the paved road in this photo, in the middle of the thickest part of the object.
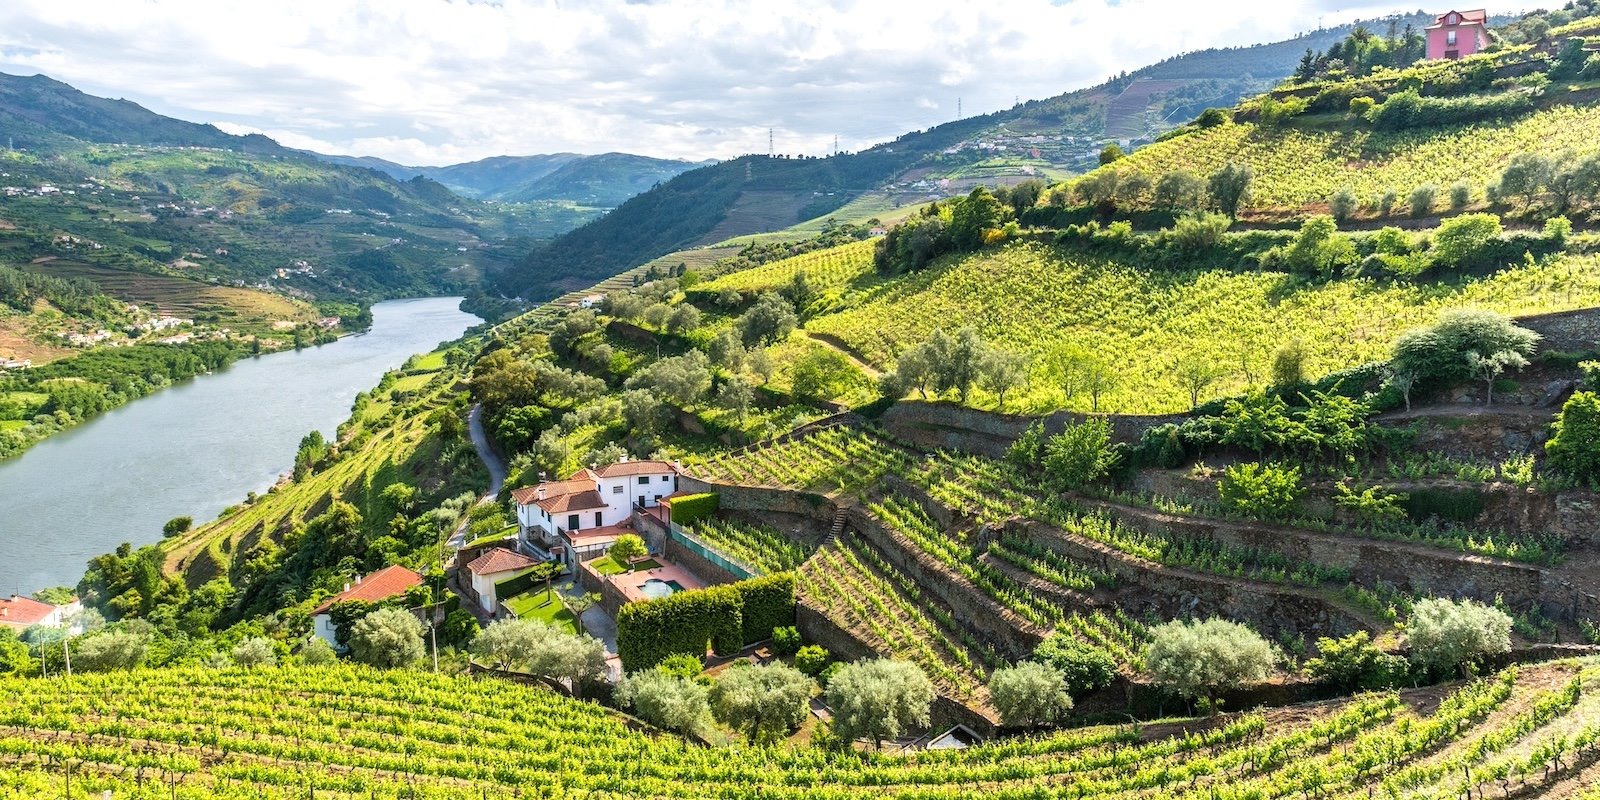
(491, 461)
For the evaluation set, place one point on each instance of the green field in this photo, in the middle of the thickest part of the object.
(179, 296)
(536, 604)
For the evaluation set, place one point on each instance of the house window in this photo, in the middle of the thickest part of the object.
(616, 489)
(1451, 21)
(572, 522)
(597, 519)
(658, 498)
(644, 479)
(1450, 38)
(665, 478)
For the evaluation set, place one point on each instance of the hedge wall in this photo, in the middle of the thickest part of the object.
(515, 585)
(728, 617)
(692, 508)
(768, 602)
(682, 622)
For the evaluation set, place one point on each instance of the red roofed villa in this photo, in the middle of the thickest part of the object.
(582, 515)
(381, 585)
(1458, 34)
(20, 613)
(496, 566)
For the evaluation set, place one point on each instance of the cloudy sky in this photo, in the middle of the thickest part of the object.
(438, 82)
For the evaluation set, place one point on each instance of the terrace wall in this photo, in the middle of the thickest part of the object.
(948, 426)
(761, 499)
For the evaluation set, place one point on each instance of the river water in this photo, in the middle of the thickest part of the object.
(195, 448)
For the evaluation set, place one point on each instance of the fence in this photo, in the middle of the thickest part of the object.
(693, 544)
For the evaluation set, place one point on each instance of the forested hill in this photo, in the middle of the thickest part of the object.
(783, 192)
(42, 114)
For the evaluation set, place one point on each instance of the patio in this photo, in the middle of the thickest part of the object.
(633, 585)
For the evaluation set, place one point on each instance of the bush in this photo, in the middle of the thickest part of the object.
(1460, 195)
(176, 526)
(765, 604)
(1448, 634)
(692, 508)
(1574, 444)
(1466, 240)
(256, 651)
(666, 700)
(1343, 204)
(1445, 351)
(1086, 668)
(388, 637)
(786, 640)
(1422, 199)
(682, 622)
(1029, 694)
(1557, 229)
(811, 659)
(108, 651)
(682, 665)
(1195, 659)
(1361, 106)
(1080, 454)
(317, 653)
(1354, 663)
(1260, 490)
(1196, 232)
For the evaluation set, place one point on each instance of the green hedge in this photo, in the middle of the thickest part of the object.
(728, 617)
(692, 508)
(768, 603)
(1448, 504)
(515, 585)
(683, 622)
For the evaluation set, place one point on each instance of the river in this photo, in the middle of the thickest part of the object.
(195, 448)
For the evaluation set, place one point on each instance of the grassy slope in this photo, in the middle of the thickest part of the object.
(1034, 298)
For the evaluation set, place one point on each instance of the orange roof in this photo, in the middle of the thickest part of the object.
(1478, 17)
(582, 501)
(529, 495)
(623, 469)
(499, 559)
(596, 536)
(380, 585)
(22, 611)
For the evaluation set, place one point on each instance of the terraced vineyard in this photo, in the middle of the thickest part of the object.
(758, 546)
(348, 732)
(1295, 167)
(1037, 300)
(840, 458)
(825, 269)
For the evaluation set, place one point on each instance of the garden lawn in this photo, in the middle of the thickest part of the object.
(537, 604)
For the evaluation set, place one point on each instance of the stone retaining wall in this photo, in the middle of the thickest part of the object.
(943, 425)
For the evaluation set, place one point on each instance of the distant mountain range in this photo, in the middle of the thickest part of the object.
(603, 181)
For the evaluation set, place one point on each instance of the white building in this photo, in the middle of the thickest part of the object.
(21, 613)
(586, 512)
(379, 586)
(497, 565)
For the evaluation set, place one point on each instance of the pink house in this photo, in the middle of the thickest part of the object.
(1456, 34)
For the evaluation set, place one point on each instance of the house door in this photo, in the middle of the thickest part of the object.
(572, 522)
(597, 519)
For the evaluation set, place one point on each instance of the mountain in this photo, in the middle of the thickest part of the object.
(43, 114)
(599, 181)
(1048, 138)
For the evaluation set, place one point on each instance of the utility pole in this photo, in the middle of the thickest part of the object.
(836, 144)
(66, 649)
(769, 143)
(958, 108)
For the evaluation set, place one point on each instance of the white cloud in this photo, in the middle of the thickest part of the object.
(441, 81)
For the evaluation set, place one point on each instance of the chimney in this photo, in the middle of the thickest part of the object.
(358, 580)
(541, 492)
(623, 459)
(347, 586)
(542, 477)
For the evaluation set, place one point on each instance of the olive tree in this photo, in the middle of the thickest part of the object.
(317, 653)
(108, 651)
(256, 651)
(1198, 658)
(666, 700)
(539, 648)
(878, 699)
(1449, 634)
(766, 702)
(1029, 694)
(388, 637)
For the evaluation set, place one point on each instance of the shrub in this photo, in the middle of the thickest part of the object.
(1362, 105)
(811, 659)
(1443, 351)
(1080, 454)
(1448, 634)
(109, 650)
(765, 604)
(176, 526)
(1260, 490)
(666, 700)
(1387, 201)
(682, 622)
(1574, 444)
(1422, 199)
(692, 508)
(1317, 249)
(1195, 658)
(1557, 229)
(786, 640)
(1465, 240)
(1029, 694)
(829, 672)
(1086, 668)
(682, 665)
(256, 651)
(317, 653)
(1372, 504)
(1460, 195)
(627, 547)
(767, 701)
(1343, 204)
(1196, 232)
(878, 699)
(1355, 663)
(1288, 364)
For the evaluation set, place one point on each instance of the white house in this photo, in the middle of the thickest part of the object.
(591, 301)
(21, 613)
(583, 513)
(381, 585)
(496, 565)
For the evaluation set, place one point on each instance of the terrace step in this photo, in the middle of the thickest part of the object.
(839, 518)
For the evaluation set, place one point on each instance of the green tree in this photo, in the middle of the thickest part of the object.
(1109, 153)
(317, 653)
(14, 660)
(1195, 372)
(1029, 694)
(1000, 371)
(109, 651)
(257, 651)
(821, 373)
(665, 700)
(312, 452)
(1080, 454)
(388, 637)
(1464, 240)
(1260, 490)
(878, 699)
(771, 319)
(736, 395)
(1197, 658)
(683, 319)
(1354, 663)
(1179, 190)
(766, 702)
(1450, 634)
(176, 526)
(811, 659)
(1229, 187)
(1574, 444)
(1343, 205)
(1449, 349)
(627, 547)
(1422, 199)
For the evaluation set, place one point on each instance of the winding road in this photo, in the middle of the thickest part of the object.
(491, 461)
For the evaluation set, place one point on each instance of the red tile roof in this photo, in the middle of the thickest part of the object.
(1478, 17)
(22, 611)
(529, 495)
(380, 585)
(499, 559)
(623, 469)
(582, 501)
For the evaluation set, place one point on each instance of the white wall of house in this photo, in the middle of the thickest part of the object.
(322, 626)
(483, 587)
(623, 492)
